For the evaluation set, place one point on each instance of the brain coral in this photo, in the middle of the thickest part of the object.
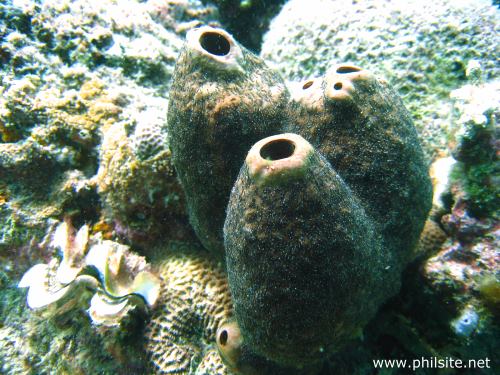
(68, 69)
(193, 303)
(421, 46)
(148, 139)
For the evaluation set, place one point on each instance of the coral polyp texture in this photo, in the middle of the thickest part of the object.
(223, 100)
(194, 301)
(138, 184)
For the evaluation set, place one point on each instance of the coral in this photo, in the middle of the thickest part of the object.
(138, 186)
(433, 235)
(60, 138)
(194, 301)
(182, 15)
(70, 71)
(489, 289)
(67, 344)
(474, 144)
(123, 36)
(431, 239)
(445, 303)
(148, 140)
(223, 99)
(102, 63)
(211, 364)
(422, 47)
(470, 256)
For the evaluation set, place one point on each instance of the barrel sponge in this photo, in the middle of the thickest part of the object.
(362, 128)
(305, 264)
(194, 301)
(223, 99)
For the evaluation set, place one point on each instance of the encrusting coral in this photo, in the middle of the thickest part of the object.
(138, 185)
(194, 301)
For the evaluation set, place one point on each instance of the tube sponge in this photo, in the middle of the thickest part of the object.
(363, 129)
(223, 99)
(306, 268)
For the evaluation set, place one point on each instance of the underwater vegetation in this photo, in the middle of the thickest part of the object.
(172, 203)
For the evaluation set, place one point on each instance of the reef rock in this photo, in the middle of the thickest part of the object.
(421, 46)
(75, 75)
